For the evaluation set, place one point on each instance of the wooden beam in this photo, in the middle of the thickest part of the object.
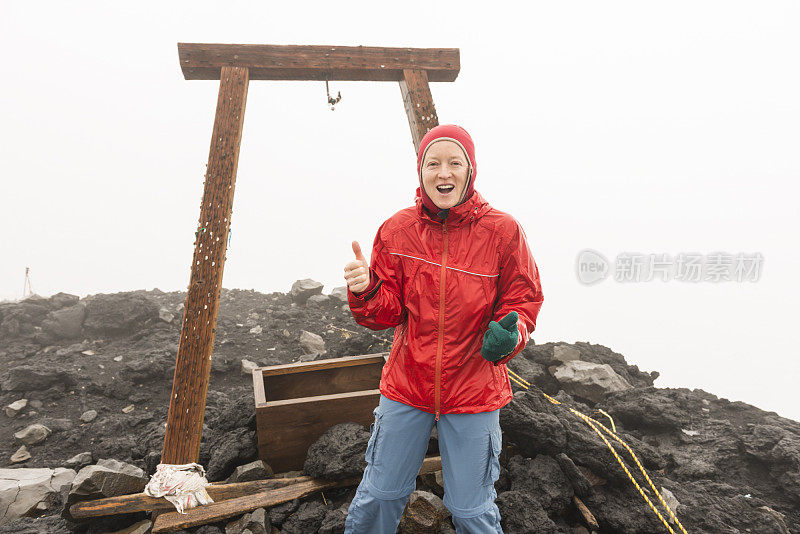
(303, 367)
(418, 101)
(586, 513)
(218, 491)
(328, 381)
(193, 363)
(203, 61)
(140, 502)
(219, 511)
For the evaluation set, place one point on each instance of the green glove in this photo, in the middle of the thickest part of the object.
(501, 338)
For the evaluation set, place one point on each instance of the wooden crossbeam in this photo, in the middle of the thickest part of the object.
(203, 61)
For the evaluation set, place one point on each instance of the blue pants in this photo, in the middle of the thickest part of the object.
(470, 448)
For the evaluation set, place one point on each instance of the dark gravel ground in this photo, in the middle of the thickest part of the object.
(733, 468)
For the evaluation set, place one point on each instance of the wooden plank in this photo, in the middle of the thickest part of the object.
(323, 381)
(219, 491)
(213, 513)
(418, 103)
(193, 362)
(586, 513)
(287, 428)
(139, 502)
(258, 387)
(302, 367)
(219, 511)
(203, 61)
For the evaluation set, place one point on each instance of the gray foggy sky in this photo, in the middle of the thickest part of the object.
(655, 128)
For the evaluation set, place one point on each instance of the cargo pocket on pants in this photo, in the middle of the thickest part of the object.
(493, 467)
(374, 430)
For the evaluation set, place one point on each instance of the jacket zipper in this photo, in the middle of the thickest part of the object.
(440, 344)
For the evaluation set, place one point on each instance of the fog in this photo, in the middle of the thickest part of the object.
(620, 127)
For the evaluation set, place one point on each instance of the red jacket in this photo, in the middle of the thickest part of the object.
(439, 283)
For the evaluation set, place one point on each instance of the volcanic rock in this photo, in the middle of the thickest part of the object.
(521, 513)
(339, 293)
(311, 342)
(589, 380)
(279, 513)
(307, 518)
(118, 314)
(107, 478)
(333, 522)
(317, 300)
(29, 378)
(303, 289)
(256, 470)
(21, 455)
(33, 434)
(730, 465)
(542, 478)
(15, 407)
(339, 453)
(421, 516)
(65, 323)
(23, 490)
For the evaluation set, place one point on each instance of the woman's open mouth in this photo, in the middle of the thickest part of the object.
(445, 189)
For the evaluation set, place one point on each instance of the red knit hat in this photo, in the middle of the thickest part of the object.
(459, 135)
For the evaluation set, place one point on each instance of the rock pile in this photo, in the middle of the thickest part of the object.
(85, 385)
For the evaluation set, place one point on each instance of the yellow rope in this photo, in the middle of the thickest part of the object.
(613, 427)
(592, 422)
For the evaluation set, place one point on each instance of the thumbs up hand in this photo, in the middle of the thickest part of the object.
(356, 272)
(501, 337)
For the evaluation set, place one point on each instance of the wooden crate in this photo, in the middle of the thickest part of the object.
(297, 402)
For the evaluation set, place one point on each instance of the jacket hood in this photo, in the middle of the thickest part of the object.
(460, 136)
(472, 208)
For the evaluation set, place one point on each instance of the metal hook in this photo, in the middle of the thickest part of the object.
(332, 101)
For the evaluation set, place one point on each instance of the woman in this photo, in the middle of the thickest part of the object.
(456, 279)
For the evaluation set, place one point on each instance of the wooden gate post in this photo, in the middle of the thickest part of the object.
(418, 101)
(187, 404)
(234, 65)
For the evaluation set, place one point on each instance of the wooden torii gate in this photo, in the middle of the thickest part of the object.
(234, 65)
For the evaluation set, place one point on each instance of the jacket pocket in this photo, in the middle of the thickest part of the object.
(374, 430)
(493, 467)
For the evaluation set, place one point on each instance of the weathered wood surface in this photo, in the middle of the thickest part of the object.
(203, 61)
(338, 375)
(193, 362)
(418, 102)
(287, 428)
(296, 403)
(139, 502)
(218, 491)
(586, 513)
(303, 367)
(218, 511)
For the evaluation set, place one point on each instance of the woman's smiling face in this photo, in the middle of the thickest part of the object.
(445, 164)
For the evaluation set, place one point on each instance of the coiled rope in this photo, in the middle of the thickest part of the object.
(594, 424)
